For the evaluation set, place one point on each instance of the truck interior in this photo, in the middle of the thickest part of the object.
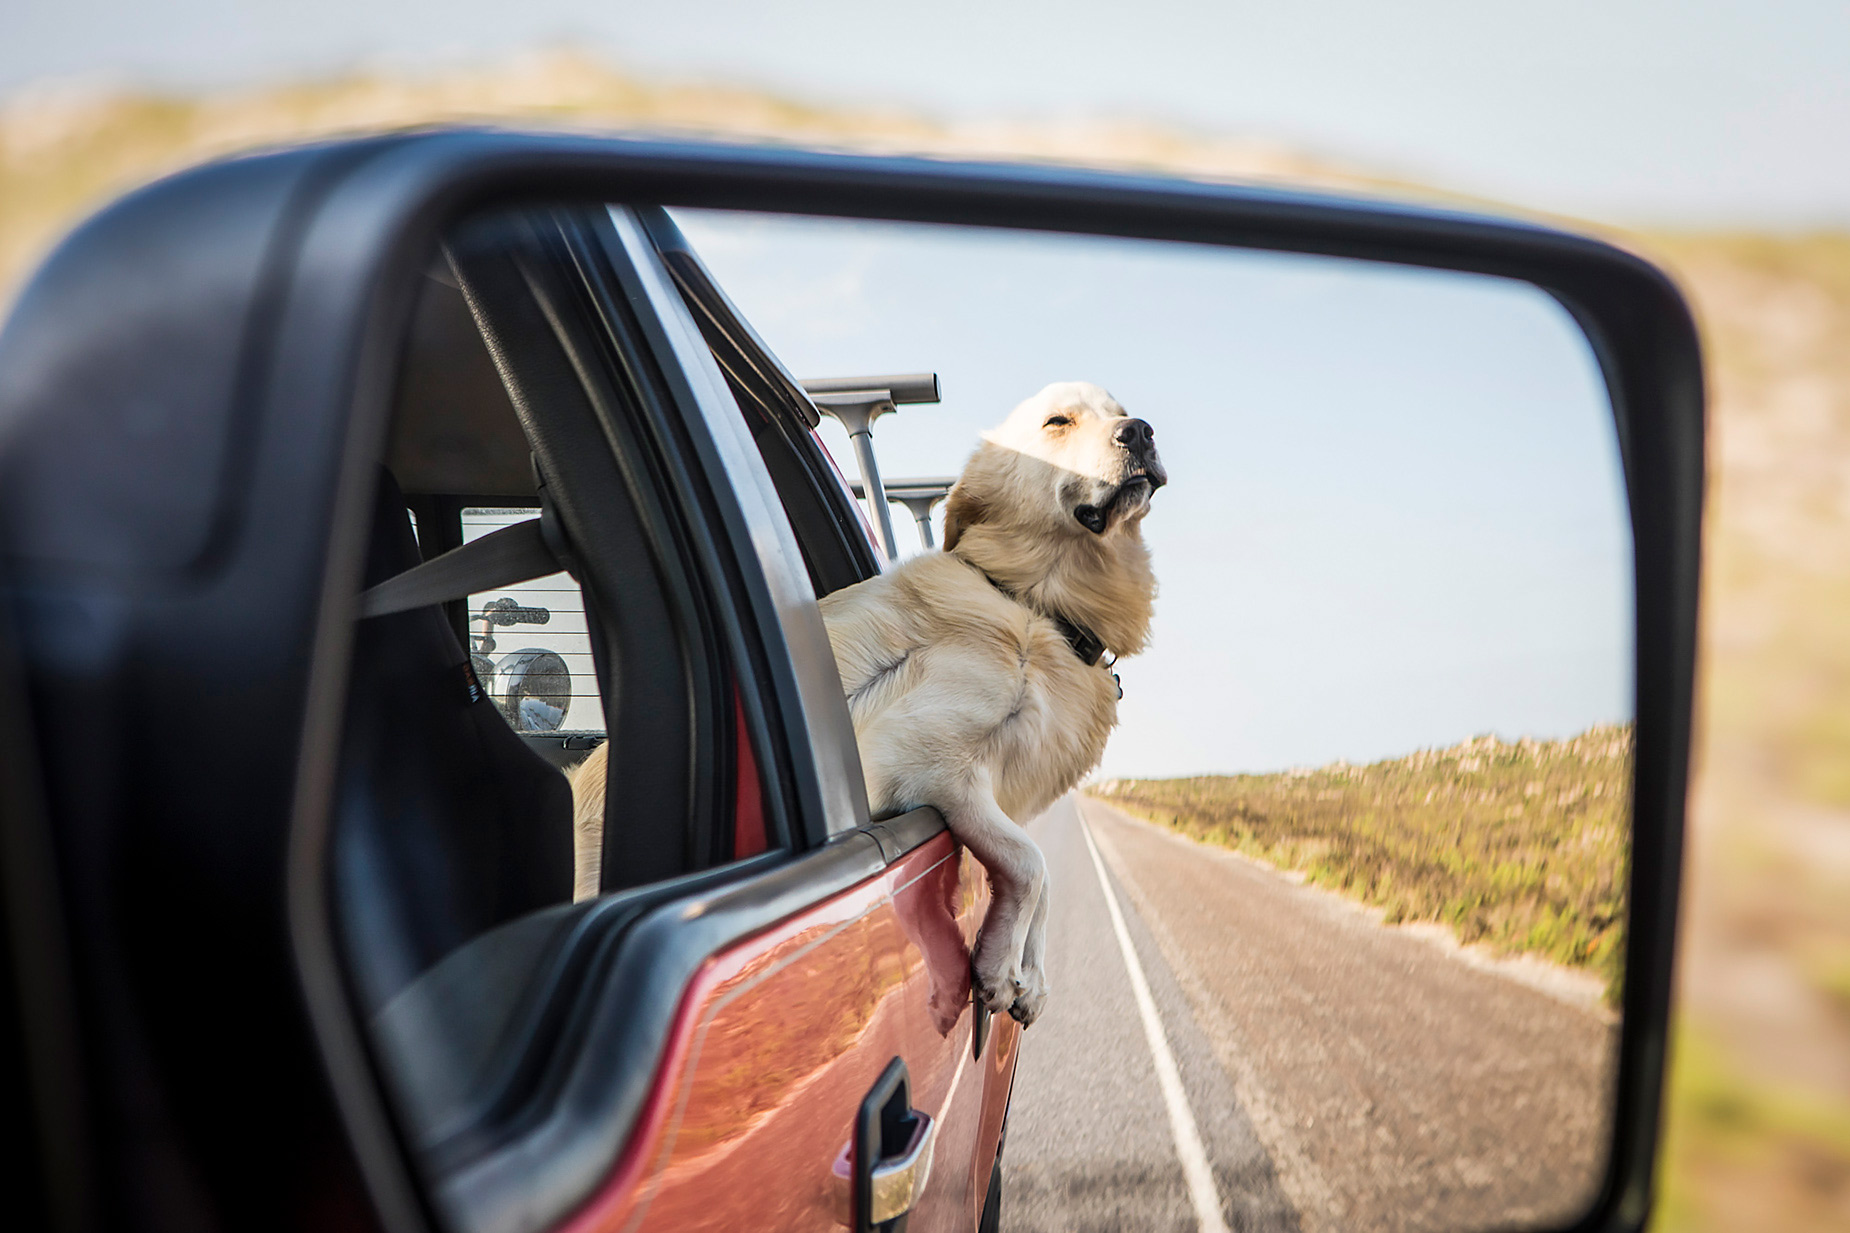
(493, 653)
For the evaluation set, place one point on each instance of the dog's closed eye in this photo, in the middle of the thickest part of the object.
(1058, 421)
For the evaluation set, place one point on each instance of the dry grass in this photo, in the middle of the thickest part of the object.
(1748, 1154)
(64, 154)
(1517, 846)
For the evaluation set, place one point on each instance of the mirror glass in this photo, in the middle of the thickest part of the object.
(1333, 926)
(1362, 833)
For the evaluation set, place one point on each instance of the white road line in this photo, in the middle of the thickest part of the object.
(1193, 1155)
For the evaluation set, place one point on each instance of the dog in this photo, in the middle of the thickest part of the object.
(976, 676)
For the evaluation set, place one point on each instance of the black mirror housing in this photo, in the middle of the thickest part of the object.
(238, 325)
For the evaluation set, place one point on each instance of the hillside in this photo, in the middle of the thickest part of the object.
(65, 152)
(1518, 846)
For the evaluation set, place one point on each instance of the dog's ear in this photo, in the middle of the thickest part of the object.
(962, 510)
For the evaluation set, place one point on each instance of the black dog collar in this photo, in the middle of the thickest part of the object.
(1084, 642)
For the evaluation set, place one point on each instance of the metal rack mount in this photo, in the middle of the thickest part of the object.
(856, 402)
(918, 496)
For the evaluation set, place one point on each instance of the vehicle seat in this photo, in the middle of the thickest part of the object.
(445, 824)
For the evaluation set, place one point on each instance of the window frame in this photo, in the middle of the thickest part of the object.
(610, 476)
(622, 959)
(797, 709)
(830, 529)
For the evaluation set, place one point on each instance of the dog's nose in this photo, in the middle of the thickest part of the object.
(1135, 435)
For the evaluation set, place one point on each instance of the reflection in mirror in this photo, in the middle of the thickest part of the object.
(1363, 828)
(1334, 926)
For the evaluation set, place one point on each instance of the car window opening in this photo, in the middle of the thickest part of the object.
(466, 716)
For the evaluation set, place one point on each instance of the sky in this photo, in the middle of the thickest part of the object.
(1682, 112)
(1395, 516)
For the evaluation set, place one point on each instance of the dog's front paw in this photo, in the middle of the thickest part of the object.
(998, 994)
(1030, 997)
(997, 979)
(1008, 988)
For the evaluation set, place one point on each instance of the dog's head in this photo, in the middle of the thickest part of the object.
(1051, 507)
(1068, 461)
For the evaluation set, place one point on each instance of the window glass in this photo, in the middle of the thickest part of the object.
(530, 646)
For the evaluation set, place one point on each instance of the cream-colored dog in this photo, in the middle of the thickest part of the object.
(976, 676)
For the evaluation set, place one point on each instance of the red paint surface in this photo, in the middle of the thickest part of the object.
(748, 798)
(777, 1041)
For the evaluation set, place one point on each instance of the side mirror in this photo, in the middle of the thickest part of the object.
(1342, 391)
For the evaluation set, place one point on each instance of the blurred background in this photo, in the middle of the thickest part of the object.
(1711, 137)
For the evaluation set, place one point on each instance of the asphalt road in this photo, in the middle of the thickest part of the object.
(1334, 1073)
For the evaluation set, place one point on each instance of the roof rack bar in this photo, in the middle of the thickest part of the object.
(857, 402)
(904, 388)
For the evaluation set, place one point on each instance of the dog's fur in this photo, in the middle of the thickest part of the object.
(965, 692)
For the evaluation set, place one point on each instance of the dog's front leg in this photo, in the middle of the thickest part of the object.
(1018, 882)
(1027, 1007)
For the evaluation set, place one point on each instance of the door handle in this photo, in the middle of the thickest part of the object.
(883, 1170)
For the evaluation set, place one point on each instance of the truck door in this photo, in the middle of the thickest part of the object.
(762, 1016)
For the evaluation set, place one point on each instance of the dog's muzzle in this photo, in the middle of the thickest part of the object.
(1134, 490)
(1143, 475)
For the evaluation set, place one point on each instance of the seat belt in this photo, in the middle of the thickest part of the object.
(519, 553)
